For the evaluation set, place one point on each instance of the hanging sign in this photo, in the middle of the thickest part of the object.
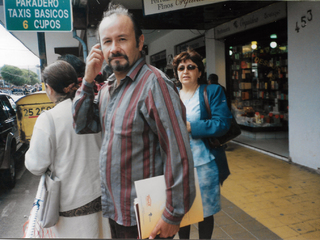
(38, 15)
(160, 6)
(260, 17)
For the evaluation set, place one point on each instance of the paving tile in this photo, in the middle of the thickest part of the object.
(309, 205)
(315, 223)
(221, 213)
(194, 235)
(242, 217)
(300, 237)
(249, 207)
(289, 209)
(252, 225)
(298, 190)
(259, 214)
(280, 202)
(283, 182)
(223, 221)
(265, 234)
(311, 236)
(297, 198)
(233, 210)
(289, 219)
(307, 215)
(255, 198)
(278, 211)
(285, 232)
(271, 222)
(244, 235)
(218, 233)
(303, 227)
(282, 199)
(233, 229)
(277, 193)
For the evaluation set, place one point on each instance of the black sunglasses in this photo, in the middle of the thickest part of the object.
(189, 67)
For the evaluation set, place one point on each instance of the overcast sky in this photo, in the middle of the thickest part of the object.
(13, 52)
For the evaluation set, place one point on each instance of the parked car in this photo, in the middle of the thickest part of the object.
(6, 91)
(11, 149)
(17, 91)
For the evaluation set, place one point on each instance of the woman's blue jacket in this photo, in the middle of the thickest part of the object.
(217, 126)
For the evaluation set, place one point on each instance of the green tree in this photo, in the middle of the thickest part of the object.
(13, 75)
(17, 76)
(31, 77)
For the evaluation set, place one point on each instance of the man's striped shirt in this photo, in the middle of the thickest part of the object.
(143, 125)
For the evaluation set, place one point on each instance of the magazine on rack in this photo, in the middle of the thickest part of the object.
(150, 203)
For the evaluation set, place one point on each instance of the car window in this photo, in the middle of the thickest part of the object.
(13, 104)
(3, 113)
(7, 107)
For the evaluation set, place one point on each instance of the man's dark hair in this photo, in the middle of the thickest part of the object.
(213, 78)
(78, 65)
(118, 9)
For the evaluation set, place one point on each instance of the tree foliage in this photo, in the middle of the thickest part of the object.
(17, 76)
(31, 77)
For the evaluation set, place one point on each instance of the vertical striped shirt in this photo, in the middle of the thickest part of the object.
(143, 127)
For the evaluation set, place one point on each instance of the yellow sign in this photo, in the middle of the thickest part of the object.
(28, 110)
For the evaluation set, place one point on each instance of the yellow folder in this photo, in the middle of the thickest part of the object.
(150, 203)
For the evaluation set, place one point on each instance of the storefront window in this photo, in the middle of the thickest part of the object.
(159, 60)
(258, 73)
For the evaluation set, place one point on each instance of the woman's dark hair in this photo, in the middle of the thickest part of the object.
(62, 77)
(195, 57)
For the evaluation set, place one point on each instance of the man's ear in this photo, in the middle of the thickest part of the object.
(141, 41)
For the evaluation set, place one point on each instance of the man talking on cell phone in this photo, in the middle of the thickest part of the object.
(143, 125)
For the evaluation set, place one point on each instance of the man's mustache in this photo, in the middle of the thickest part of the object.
(118, 55)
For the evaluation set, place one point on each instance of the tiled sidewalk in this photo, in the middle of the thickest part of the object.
(283, 197)
(265, 198)
(233, 223)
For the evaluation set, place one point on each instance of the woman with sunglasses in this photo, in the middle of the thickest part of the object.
(211, 164)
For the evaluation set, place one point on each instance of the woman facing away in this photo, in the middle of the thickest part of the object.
(211, 164)
(76, 158)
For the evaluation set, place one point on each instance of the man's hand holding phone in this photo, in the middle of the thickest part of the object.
(94, 63)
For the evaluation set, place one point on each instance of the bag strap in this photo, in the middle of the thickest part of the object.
(205, 95)
(53, 129)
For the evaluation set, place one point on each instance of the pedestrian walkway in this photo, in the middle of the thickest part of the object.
(266, 198)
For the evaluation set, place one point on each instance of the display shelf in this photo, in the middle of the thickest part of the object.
(260, 81)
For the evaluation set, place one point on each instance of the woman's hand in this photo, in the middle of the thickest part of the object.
(188, 127)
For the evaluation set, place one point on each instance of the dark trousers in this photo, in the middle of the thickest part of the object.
(119, 231)
(205, 229)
